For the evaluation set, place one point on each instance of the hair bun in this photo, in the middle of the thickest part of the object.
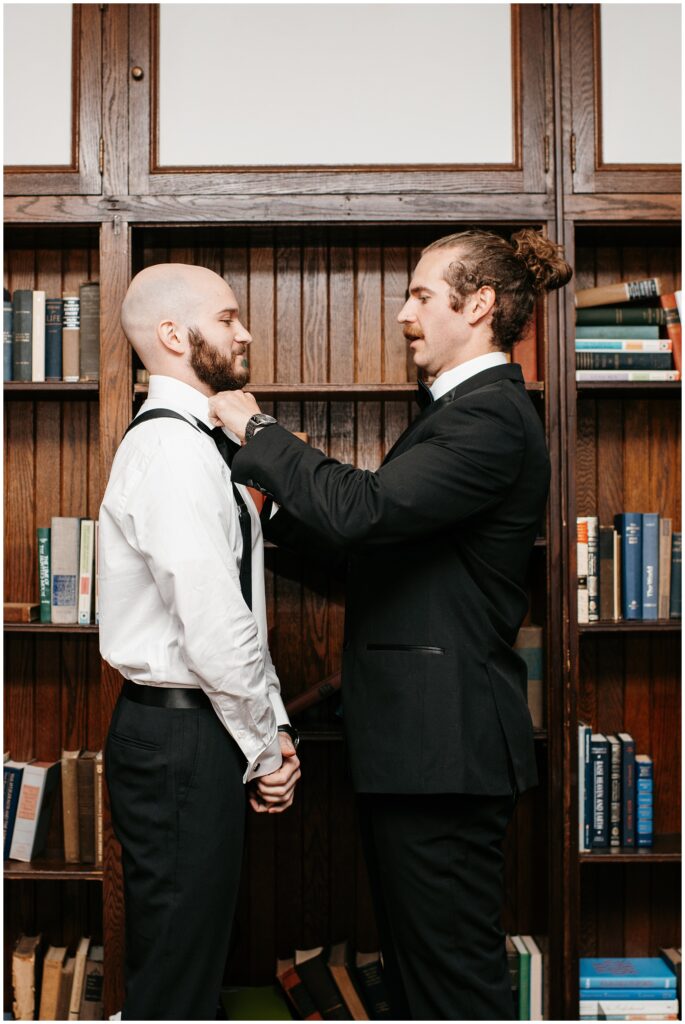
(543, 260)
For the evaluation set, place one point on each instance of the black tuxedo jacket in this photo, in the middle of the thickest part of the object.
(438, 542)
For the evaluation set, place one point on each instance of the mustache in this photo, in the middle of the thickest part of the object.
(412, 333)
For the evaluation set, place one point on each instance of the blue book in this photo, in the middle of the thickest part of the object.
(617, 331)
(12, 786)
(584, 786)
(626, 973)
(53, 339)
(676, 605)
(22, 334)
(644, 798)
(629, 527)
(620, 994)
(650, 565)
(7, 318)
(600, 773)
(627, 789)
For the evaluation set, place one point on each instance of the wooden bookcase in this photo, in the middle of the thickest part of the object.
(320, 271)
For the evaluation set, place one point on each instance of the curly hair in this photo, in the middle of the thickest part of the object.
(518, 272)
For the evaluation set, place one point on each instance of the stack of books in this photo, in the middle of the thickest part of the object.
(51, 985)
(631, 570)
(527, 966)
(626, 342)
(615, 792)
(46, 339)
(627, 988)
(67, 571)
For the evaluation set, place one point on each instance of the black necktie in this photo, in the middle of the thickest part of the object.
(424, 396)
(227, 448)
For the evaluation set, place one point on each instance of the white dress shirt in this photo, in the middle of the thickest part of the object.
(170, 546)
(458, 374)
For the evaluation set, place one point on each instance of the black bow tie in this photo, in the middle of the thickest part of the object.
(424, 396)
(227, 448)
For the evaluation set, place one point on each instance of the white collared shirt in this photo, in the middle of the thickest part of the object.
(458, 374)
(170, 546)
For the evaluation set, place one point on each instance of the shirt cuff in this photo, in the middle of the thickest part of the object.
(279, 708)
(270, 760)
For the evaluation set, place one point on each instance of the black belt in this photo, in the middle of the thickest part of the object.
(166, 696)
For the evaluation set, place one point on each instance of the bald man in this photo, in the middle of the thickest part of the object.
(199, 727)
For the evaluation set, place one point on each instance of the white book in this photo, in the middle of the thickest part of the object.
(630, 345)
(85, 583)
(535, 976)
(582, 568)
(679, 303)
(97, 573)
(590, 1007)
(79, 978)
(38, 784)
(64, 569)
(628, 375)
(38, 337)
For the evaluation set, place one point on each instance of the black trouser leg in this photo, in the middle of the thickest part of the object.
(178, 810)
(436, 868)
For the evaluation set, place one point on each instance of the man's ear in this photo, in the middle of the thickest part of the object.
(170, 335)
(480, 304)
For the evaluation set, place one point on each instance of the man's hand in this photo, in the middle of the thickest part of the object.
(274, 793)
(232, 409)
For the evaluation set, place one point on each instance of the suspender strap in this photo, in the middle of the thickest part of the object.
(243, 512)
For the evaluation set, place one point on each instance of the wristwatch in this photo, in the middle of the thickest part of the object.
(293, 733)
(255, 423)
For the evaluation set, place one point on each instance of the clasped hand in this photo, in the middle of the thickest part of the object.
(275, 792)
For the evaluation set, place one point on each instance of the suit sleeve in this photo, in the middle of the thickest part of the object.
(461, 468)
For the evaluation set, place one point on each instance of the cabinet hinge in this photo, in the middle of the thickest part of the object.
(101, 155)
(573, 152)
(546, 154)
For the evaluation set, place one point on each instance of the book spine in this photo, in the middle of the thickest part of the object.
(373, 991)
(99, 820)
(622, 291)
(7, 340)
(630, 376)
(615, 803)
(26, 821)
(665, 542)
(582, 569)
(675, 603)
(69, 772)
(629, 525)
(53, 339)
(599, 755)
(593, 568)
(64, 555)
(71, 333)
(606, 573)
(634, 345)
(38, 337)
(673, 327)
(644, 800)
(90, 331)
(87, 546)
(12, 788)
(47, 803)
(524, 986)
(627, 791)
(22, 316)
(44, 573)
(621, 315)
(650, 565)
(589, 360)
(584, 807)
(641, 332)
(295, 989)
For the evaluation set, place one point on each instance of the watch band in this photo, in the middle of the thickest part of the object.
(292, 732)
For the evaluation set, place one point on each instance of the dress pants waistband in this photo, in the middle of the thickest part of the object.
(166, 696)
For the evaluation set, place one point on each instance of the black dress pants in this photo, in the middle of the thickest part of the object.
(178, 810)
(436, 870)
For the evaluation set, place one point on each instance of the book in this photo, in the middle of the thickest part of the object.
(529, 647)
(295, 989)
(341, 966)
(89, 296)
(584, 789)
(629, 376)
(627, 345)
(7, 340)
(313, 694)
(629, 526)
(607, 610)
(644, 800)
(633, 315)
(12, 775)
(369, 976)
(601, 332)
(673, 957)
(21, 611)
(53, 966)
(627, 789)
(54, 315)
(616, 995)
(618, 575)
(650, 565)
(621, 291)
(524, 977)
(311, 965)
(625, 973)
(86, 563)
(582, 569)
(71, 337)
(79, 979)
(614, 790)
(675, 604)
(86, 806)
(535, 976)
(64, 568)
(590, 360)
(599, 774)
(513, 965)
(44, 573)
(99, 818)
(593, 568)
(65, 990)
(628, 1009)
(38, 337)
(262, 1002)
(22, 334)
(25, 976)
(91, 999)
(69, 773)
(665, 542)
(669, 304)
(97, 574)
(36, 799)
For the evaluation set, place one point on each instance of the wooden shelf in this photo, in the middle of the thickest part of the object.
(339, 392)
(631, 626)
(666, 849)
(52, 389)
(44, 627)
(627, 389)
(51, 869)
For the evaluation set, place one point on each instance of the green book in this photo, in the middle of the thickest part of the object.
(260, 1003)
(44, 573)
(621, 315)
(524, 977)
(606, 331)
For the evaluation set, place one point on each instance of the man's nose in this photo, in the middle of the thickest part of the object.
(243, 335)
(405, 315)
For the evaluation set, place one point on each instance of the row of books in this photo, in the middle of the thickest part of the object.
(30, 789)
(631, 570)
(615, 792)
(526, 960)
(630, 988)
(52, 339)
(628, 343)
(52, 985)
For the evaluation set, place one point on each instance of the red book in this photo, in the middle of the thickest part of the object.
(294, 988)
(673, 328)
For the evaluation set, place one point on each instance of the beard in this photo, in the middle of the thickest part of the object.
(216, 370)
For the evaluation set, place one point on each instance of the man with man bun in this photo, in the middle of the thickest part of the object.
(437, 543)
